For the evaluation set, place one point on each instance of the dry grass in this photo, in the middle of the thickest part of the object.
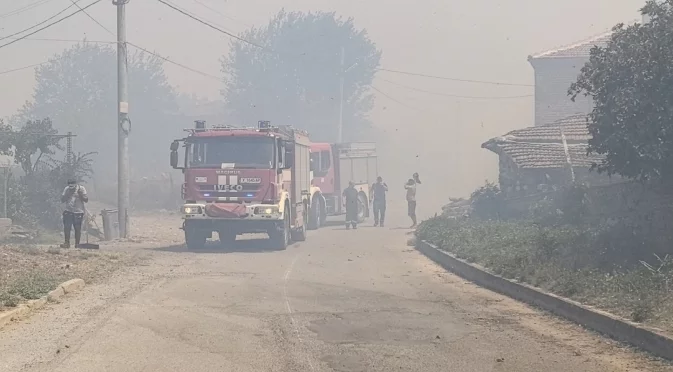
(29, 271)
(567, 261)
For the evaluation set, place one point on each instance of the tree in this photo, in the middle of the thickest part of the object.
(294, 77)
(34, 197)
(77, 89)
(630, 83)
(36, 137)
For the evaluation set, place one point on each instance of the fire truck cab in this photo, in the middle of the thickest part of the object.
(244, 180)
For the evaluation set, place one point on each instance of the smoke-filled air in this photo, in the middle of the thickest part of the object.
(295, 185)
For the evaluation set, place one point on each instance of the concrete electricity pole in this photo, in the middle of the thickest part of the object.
(124, 124)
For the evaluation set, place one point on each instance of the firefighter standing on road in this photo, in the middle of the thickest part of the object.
(350, 196)
(378, 198)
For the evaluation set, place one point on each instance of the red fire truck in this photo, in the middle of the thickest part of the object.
(244, 180)
(333, 166)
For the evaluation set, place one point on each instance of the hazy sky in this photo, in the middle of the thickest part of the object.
(477, 39)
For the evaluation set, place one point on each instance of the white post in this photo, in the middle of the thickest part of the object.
(124, 125)
(567, 152)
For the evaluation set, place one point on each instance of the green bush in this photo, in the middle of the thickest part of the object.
(487, 202)
(35, 198)
(576, 262)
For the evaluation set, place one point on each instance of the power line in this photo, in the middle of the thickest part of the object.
(218, 12)
(176, 63)
(67, 40)
(455, 95)
(21, 68)
(147, 51)
(92, 18)
(41, 23)
(49, 25)
(454, 79)
(24, 9)
(114, 42)
(211, 25)
(396, 100)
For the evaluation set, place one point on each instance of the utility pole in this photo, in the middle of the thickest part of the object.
(68, 148)
(341, 97)
(124, 124)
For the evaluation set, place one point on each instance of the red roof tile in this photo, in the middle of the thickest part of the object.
(546, 155)
(574, 127)
(542, 146)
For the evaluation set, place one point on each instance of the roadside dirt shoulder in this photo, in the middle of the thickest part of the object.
(495, 310)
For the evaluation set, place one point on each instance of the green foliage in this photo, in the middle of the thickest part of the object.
(487, 202)
(597, 266)
(35, 137)
(295, 79)
(77, 89)
(630, 83)
(35, 198)
(569, 206)
(6, 131)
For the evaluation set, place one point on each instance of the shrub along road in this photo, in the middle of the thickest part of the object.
(581, 263)
(342, 301)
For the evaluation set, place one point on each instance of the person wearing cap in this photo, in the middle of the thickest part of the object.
(350, 195)
(74, 196)
(378, 198)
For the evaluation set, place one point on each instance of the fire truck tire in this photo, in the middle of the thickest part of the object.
(280, 239)
(314, 219)
(195, 239)
(300, 233)
(323, 212)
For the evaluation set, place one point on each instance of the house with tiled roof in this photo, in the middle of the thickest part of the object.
(535, 159)
(555, 70)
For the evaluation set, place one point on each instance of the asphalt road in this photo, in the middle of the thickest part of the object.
(341, 301)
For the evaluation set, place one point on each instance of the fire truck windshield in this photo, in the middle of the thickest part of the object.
(234, 152)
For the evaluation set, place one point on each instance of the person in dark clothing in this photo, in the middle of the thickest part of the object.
(350, 196)
(74, 196)
(378, 198)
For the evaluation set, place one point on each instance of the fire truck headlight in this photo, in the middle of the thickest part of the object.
(192, 210)
(272, 209)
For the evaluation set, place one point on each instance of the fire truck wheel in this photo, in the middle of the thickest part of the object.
(314, 214)
(300, 234)
(280, 239)
(195, 239)
(323, 212)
